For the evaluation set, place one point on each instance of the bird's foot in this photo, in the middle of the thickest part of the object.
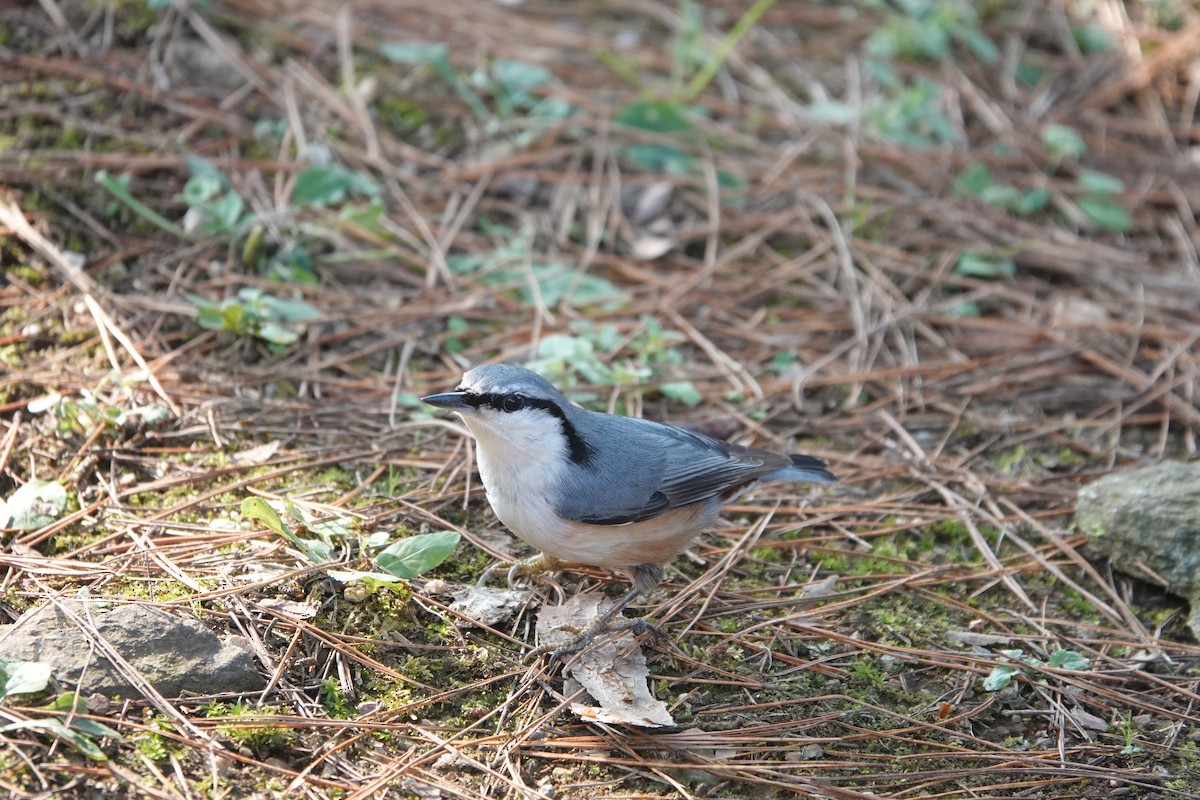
(590, 632)
(524, 568)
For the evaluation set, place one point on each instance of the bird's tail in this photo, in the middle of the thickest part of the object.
(803, 468)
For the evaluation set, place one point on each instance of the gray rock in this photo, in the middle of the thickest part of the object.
(1149, 519)
(174, 654)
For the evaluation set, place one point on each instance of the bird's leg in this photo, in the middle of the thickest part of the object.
(645, 578)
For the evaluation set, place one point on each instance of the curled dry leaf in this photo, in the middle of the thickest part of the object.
(610, 669)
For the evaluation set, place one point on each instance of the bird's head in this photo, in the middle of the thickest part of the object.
(512, 411)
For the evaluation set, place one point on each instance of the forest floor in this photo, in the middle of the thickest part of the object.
(949, 247)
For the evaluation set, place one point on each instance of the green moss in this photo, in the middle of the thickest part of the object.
(400, 114)
(154, 746)
(250, 725)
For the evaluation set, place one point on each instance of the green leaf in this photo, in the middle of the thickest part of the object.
(518, 77)
(366, 215)
(659, 158)
(578, 290)
(414, 52)
(983, 47)
(1106, 212)
(119, 188)
(71, 703)
(783, 361)
(977, 265)
(833, 112)
(1032, 202)
(257, 508)
(999, 677)
(1001, 195)
(329, 184)
(974, 181)
(437, 56)
(1093, 39)
(23, 677)
(224, 214)
(35, 505)
(1029, 74)
(373, 580)
(558, 282)
(682, 392)
(291, 310)
(200, 189)
(1063, 142)
(656, 116)
(291, 265)
(57, 729)
(564, 346)
(963, 310)
(418, 554)
(1100, 182)
(1068, 659)
(208, 313)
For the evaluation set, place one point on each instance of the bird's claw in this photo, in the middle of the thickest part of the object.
(589, 633)
(521, 568)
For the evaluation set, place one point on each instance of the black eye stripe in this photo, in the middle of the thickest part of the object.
(504, 402)
(580, 451)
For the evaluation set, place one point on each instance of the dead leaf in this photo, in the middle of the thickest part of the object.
(977, 639)
(289, 608)
(1087, 720)
(486, 606)
(647, 247)
(256, 455)
(644, 204)
(820, 589)
(612, 671)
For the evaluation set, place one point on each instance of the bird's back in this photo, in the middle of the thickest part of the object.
(641, 468)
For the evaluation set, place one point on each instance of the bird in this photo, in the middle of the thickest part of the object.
(585, 488)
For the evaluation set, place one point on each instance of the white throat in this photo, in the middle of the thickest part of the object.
(522, 458)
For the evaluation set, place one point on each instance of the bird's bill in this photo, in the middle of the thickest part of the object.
(451, 401)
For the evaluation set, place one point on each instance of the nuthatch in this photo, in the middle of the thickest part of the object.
(587, 488)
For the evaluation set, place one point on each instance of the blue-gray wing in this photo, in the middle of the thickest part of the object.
(639, 469)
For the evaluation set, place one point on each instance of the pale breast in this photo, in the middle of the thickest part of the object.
(652, 541)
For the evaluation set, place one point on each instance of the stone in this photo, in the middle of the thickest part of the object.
(173, 653)
(1148, 520)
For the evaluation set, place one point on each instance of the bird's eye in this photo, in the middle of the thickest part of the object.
(513, 402)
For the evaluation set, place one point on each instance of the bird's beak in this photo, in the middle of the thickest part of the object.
(451, 401)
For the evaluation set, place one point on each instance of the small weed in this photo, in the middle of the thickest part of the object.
(910, 112)
(1012, 661)
(587, 354)
(254, 313)
(510, 268)
(400, 561)
(246, 732)
(1128, 731)
(215, 209)
(977, 181)
(510, 85)
(334, 701)
(867, 670)
(694, 64)
(1098, 200)
(76, 732)
(152, 745)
